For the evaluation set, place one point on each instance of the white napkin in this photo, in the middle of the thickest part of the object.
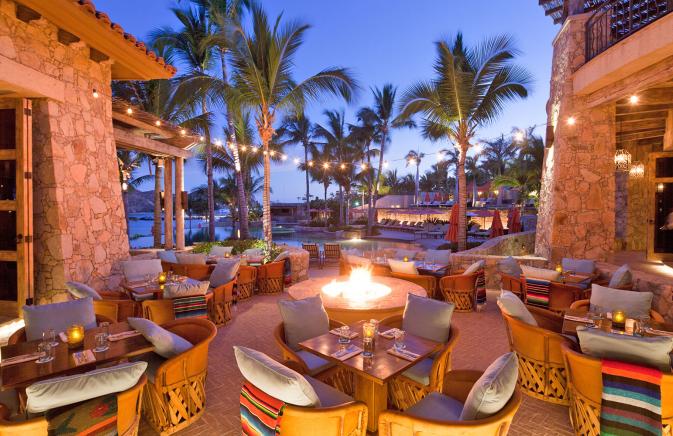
(336, 332)
(347, 353)
(389, 334)
(123, 335)
(404, 354)
(20, 359)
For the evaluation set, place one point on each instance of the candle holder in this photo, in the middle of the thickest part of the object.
(406, 259)
(75, 335)
(559, 268)
(618, 319)
(162, 278)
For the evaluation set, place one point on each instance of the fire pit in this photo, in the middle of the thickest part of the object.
(358, 296)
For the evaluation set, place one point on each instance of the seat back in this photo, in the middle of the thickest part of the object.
(193, 271)
(512, 284)
(158, 311)
(245, 281)
(270, 277)
(312, 249)
(429, 283)
(332, 251)
(137, 269)
(193, 362)
(561, 295)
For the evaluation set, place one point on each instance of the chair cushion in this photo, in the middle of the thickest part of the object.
(315, 364)
(401, 254)
(58, 316)
(191, 258)
(440, 257)
(621, 277)
(94, 417)
(427, 318)
(634, 304)
(81, 290)
(154, 361)
(514, 307)
(582, 266)
(303, 319)
(540, 273)
(135, 270)
(167, 256)
(220, 251)
(328, 396)
(420, 372)
(166, 344)
(476, 266)
(436, 406)
(275, 379)
(493, 389)
(510, 266)
(224, 272)
(61, 391)
(255, 252)
(186, 289)
(647, 351)
(400, 266)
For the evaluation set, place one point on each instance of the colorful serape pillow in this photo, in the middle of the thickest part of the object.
(97, 417)
(537, 292)
(480, 288)
(631, 399)
(190, 307)
(260, 413)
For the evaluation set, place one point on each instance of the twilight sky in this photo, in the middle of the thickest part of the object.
(381, 41)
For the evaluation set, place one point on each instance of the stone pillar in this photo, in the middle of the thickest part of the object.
(168, 204)
(179, 207)
(577, 198)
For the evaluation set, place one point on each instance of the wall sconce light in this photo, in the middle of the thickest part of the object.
(637, 170)
(622, 160)
(660, 187)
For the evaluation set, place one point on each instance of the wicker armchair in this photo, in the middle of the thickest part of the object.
(245, 282)
(585, 388)
(20, 334)
(429, 283)
(584, 304)
(403, 392)
(177, 395)
(457, 385)
(332, 252)
(313, 253)
(334, 376)
(561, 296)
(542, 374)
(128, 415)
(223, 298)
(460, 290)
(512, 284)
(270, 278)
(194, 271)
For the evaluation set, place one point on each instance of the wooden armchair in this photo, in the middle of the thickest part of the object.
(194, 271)
(585, 388)
(177, 395)
(332, 252)
(334, 376)
(128, 415)
(161, 311)
(457, 385)
(584, 304)
(223, 298)
(460, 290)
(561, 295)
(542, 374)
(270, 278)
(245, 282)
(313, 253)
(512, 284)
(429, 283)
(20, 334)
(403, 392)
(116, 305)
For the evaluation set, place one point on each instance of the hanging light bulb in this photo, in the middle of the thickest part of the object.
(218, 143)
(272, 152)
(283, 157)
(478, 148)
(296, 161)
(183, 132)
(125, 186)
(157, 123)
(253, 149)
(310, 163)
(363, 166)
(325, 165)
(243, 148)
(343, 166)
(95, 93)
(412, 161)
(129, 111)
(385, 165)
(202, 138)
(519, 136)
(634, 99)
(571, 121)
(637, 170)
(440, 156)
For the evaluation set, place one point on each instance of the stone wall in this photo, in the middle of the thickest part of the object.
(79, 227)
(516, 244)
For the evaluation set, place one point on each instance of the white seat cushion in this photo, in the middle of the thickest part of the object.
(303, 319)
(540, 273)
(58, 316)
(315, 364)
(634, 304)
(621, 277)
(400, 266)
(493, 389)
(167, 256)
(191, 258)
(62, 391)
(220, 251)
(427, 318)
(224, 272)
(186, 289)
(476, 266)
(275, 379)
(514, 307)
(81, 290)
(166, 344)
(420, 372)
(436, 406)
(328, 396)
(441, 257)
(135, 270)
(582, 266)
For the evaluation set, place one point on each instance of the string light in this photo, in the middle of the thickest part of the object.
(183, 132)
(283, 157)
(634, 99)
(129, 111)
(342, 166)
(440, 156)
(363, 166)
(272, 152)
(571, 121)
(201, 138)
(95, 93)
(243, 148)
(412, 161)
(478, 148)
(325, 165)
(265, 153)
(310, 163)
(385, 164)
(218, 143)
(157, 123)
(519, 136)
(296, 161)
(253, 149)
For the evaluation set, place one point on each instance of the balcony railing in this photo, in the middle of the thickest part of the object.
(617, 19)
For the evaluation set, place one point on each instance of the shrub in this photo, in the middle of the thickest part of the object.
(240, 245)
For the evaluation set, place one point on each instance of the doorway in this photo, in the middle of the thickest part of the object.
(660, 223)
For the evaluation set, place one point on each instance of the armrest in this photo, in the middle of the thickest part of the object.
(113, 295)
(580, 304)
(392, 321)
(293, 365)
(547, 319)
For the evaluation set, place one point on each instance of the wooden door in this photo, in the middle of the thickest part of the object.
(660, 222)
(16, 206)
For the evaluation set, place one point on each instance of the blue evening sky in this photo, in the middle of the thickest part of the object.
(382, 41)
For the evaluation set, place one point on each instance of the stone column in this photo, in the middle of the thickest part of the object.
(179, 207)
(168, 204)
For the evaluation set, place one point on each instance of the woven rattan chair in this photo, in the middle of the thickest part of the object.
(223, 299)
(195, 271)
(457, 385)
(404, 392)
(177, 395)
(429, 283)
(128, 415)
(313, 253)
(460, 290)
(246, 279)
(270, 278)
(542, 374)
(561, 296)
(335, 376)
(584, 304)
(332, 252)
(512, 284)
(585, 388)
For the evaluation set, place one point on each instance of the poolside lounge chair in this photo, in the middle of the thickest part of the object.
(314, 253)
(332, 252)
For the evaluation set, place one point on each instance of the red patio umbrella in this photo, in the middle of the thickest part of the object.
(452, 233)
(496, 225)
(514, 221)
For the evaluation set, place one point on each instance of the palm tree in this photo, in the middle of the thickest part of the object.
(321, 169)
(129, 162)
(452, 157)
(298, 129)
(362, 135)
(264, 62)
(414, 157)
(498, 155)
(525, 172)
(470, 89)
(473, 169)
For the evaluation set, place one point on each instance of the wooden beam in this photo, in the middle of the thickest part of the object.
(168, 204)
(553, 10)
(67, 38)
(127, 140)
(97, 56)
(145, 127)
(635, 118)
(642, 109)
(179, 207)
(641, 135)
(641, 142)
(641, 125)
(26, 14)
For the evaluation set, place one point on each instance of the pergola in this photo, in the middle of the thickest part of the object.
(135, 129)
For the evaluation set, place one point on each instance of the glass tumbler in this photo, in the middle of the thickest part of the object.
(101, 343)
(399, 340)
(345, 335)
(367, 347)
(46, 352)
(50, 336)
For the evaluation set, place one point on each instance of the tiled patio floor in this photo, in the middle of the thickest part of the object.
(482, 339)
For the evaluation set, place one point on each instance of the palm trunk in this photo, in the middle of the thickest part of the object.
(156, 227)
(265, 134)
(371, 193)
(377, 176)
(462, 200)
(308, 195)
(348, 208)
(242, 200)
(341, 206)
(209, 176)
(416, 185)
(125, 201)
(325, 207)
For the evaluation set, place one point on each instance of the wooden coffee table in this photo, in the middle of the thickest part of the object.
(372, 375)
(24, 374)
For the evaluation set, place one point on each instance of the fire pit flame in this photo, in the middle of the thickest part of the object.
(358, 288)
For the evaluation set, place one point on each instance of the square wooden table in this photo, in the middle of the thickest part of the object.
(24, 374)
(570, 326)
(372, 375)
